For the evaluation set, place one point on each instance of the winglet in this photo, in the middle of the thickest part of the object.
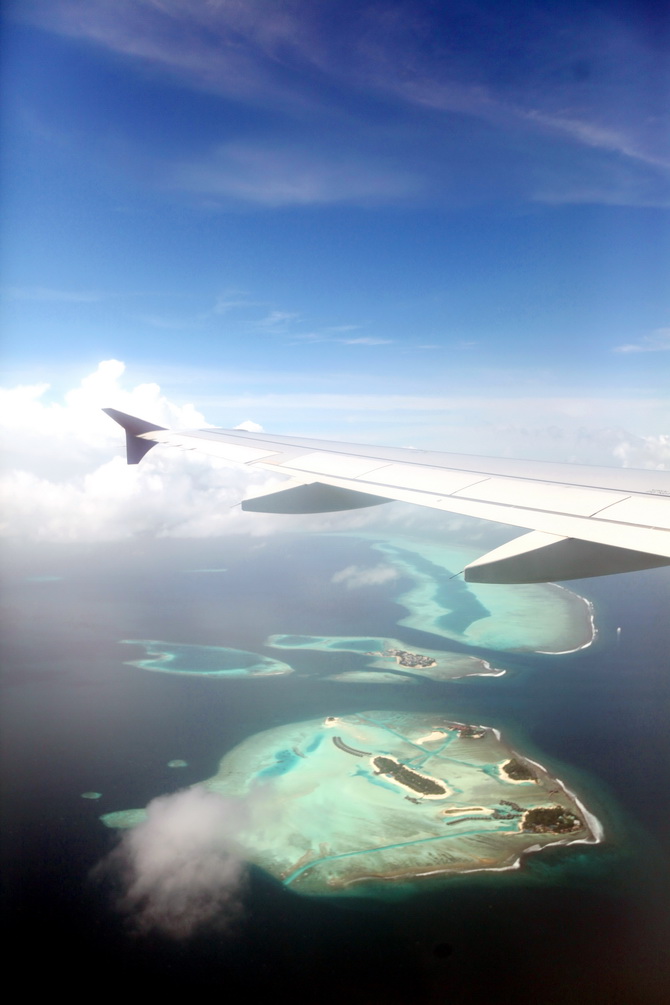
(134, 427)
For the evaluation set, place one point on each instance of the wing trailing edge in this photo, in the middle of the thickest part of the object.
(584, 521)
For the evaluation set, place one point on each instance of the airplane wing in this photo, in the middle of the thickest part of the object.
(584, 521)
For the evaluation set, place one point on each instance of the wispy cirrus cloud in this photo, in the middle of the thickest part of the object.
(402, 101)
(223, 305)
(297, 174)
(278, 321)
(658, 341)
(166, 323)
(567, 70)
(365, 340)
(45, 294)
(324, 336)
(233, 301)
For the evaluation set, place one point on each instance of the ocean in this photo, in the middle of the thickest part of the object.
(574, 924)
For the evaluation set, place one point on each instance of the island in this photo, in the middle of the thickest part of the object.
(550, 820)
(346, 805)
(533, 617)
(410, 779)
(406, 659)
(518, 770)
(382, 656)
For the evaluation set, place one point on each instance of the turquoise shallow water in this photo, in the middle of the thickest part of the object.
(554, 619)
(213, 661)
(539, 618)
(593, 922)
(528, 618)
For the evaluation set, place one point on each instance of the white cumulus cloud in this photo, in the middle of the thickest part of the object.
(65, 477)
(177, 869)
(250, 426)
(644, 452)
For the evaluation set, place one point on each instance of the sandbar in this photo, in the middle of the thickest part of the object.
(204, 661)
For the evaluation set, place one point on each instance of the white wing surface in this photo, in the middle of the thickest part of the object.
(585, 521)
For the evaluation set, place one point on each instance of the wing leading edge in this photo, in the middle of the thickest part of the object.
(584, 521)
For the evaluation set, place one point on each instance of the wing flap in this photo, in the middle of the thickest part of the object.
(315, 497)
(538, 557)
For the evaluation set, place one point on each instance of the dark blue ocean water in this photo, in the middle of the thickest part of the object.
(575, 925)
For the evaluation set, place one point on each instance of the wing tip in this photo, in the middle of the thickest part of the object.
(134, 427)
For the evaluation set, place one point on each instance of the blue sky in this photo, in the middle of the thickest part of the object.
(393, 221)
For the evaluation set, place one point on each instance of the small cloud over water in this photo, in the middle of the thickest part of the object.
(177, 870)
(354, 576)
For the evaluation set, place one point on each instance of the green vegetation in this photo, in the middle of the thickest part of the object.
(405, 775)
(471, 732)
(406, 659)
(518, 770)
(551, 818)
